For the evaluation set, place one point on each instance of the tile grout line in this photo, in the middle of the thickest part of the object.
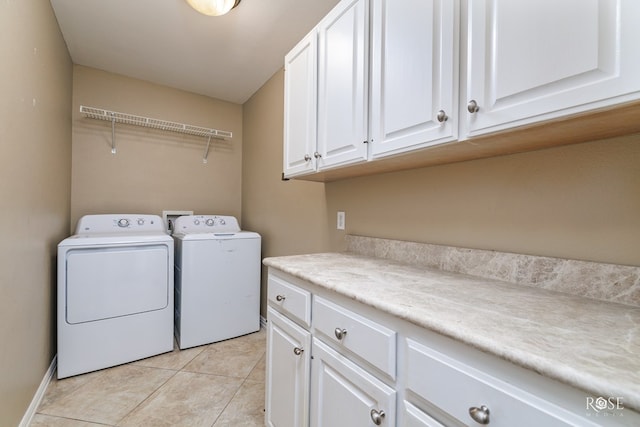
(244, 380)
(154, 392)
(150, 394)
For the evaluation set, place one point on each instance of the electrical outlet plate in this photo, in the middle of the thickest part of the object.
(341, 220)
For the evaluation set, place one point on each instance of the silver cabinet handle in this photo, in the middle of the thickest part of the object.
(472, 106)
(307, 157)
(280, 298)
(298, 351)
(442, 116)
(480, 415)
(377, 416)
(317, 155)
(340, 333)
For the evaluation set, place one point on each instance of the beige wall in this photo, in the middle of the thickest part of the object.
(290, 215)
(152, 170)
(580, 201)
(35, 142)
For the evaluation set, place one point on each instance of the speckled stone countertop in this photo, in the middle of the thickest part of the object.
(590, 344)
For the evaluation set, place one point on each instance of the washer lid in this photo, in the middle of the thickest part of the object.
(218, 236)
(199, 224)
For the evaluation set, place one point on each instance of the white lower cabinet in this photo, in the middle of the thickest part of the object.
(287, 374)
(412, 416)
(352, 333)
(474, 397)
(358, 366)
(345, 395)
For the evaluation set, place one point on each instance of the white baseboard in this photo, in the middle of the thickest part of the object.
(37, 398)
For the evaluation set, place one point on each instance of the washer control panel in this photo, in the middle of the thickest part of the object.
(119, 223)
(206, 224)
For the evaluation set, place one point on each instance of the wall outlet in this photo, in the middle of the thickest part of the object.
(341, 220)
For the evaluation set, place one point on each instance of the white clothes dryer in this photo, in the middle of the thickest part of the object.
(115, 292)
(217, 279)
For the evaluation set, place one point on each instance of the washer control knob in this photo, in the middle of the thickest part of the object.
(209, 222)
(123, 222)
(222, 221)
(196, 222)
(140, 221)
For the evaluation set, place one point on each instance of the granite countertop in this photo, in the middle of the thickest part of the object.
(590, 344)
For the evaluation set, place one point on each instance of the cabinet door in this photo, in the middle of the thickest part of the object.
(287, 373)
(414, 57)
(300, 102)
(345, 395)
(412, 416)
(528, 61)
(342, 84)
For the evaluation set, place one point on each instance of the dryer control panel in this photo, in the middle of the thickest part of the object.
(190, 224)
(119, 223)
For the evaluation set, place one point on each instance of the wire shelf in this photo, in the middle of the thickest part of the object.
(130, 119)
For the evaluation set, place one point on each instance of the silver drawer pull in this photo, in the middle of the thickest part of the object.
(280, 298)
(298, 351)
(442, 116)
(377, 416)
(340, 333)
(480, 415)
(472, 106)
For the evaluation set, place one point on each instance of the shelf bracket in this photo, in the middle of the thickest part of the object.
(206, 150)
(113, 136)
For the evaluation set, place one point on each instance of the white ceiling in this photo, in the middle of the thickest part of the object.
(166, 42)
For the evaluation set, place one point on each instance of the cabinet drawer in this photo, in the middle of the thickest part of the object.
(367, 339)
(455, 388)
(290, 300)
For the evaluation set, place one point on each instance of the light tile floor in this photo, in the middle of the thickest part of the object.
(215, 385)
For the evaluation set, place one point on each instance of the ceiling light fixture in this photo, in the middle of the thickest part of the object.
(213, 7)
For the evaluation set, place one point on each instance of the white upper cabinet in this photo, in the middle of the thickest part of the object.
(385, 78)
(528, 61)
(343, 45)
(414, 80)
(300, 104)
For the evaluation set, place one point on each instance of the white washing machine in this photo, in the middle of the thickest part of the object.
(115, 292)
(217, 279)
